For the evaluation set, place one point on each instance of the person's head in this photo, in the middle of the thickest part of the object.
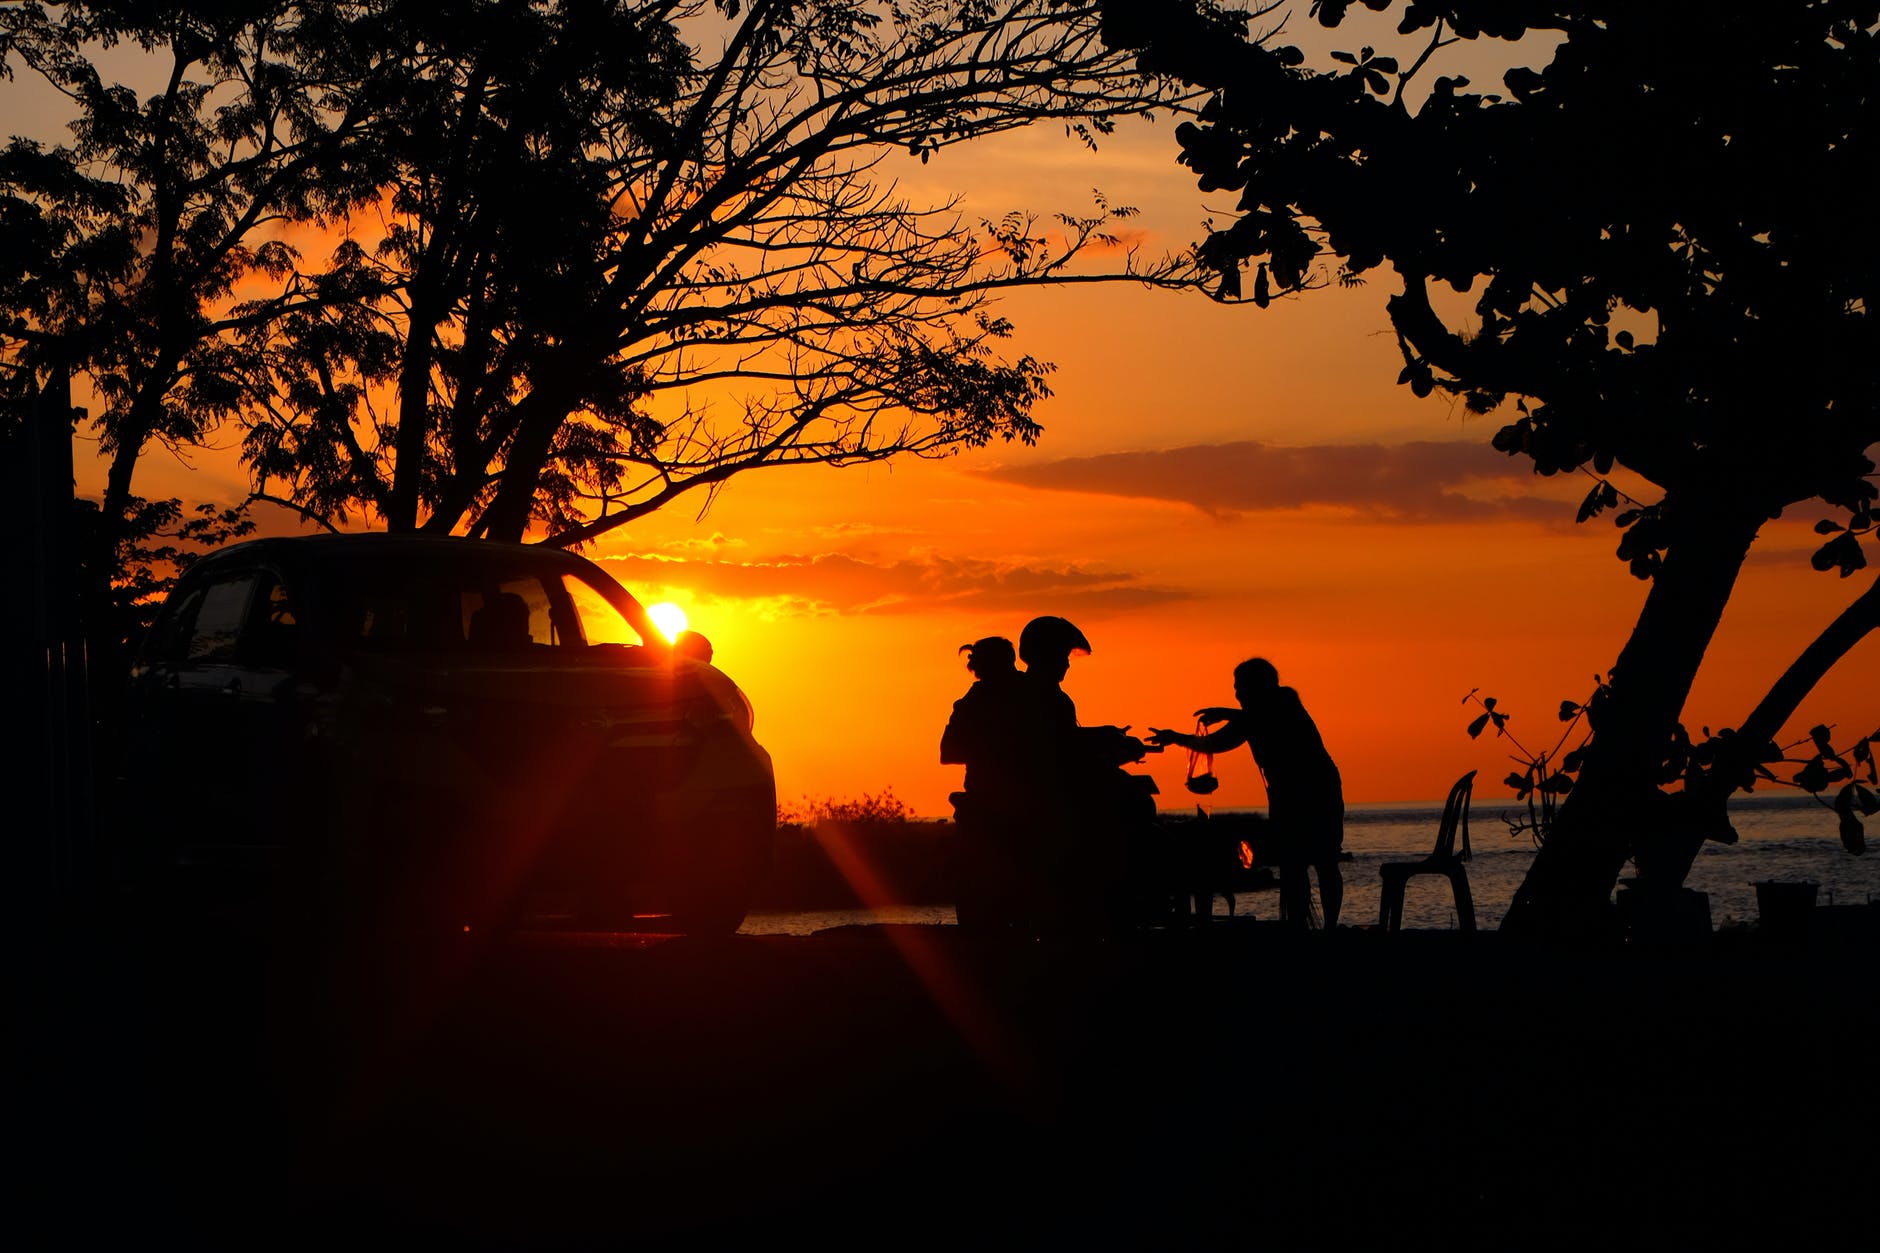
(693, 645)
(1255, 680)
(1047, 644)
(991, 657)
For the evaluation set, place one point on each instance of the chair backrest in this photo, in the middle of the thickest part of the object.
(1455, 820)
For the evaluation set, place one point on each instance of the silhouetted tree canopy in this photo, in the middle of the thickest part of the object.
(1652, 241)
(536, 269)
(137, 254)
(632, 249)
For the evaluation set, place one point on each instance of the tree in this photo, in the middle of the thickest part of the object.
(138, 252)
(122, 252)
(637, 248)
(1665, 234)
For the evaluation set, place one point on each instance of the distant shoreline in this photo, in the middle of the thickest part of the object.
(1382, 809)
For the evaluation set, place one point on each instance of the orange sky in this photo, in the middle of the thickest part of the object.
(1213, 483)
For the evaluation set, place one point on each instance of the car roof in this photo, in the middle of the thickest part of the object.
(315, 549)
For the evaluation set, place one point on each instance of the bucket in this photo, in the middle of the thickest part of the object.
(1783, 909)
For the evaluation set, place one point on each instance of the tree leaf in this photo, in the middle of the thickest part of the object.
(1569, 710)
(1843, 552)
(1476, 727)
(1853, 839)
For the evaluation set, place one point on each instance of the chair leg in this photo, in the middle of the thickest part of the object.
(1465, 902)
(1390, 904)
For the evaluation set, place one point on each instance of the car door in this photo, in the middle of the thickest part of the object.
(267, 695)
(199, 704)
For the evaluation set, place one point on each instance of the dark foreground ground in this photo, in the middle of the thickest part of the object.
(901, 1086)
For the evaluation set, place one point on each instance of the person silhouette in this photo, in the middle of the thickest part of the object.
(1089, 808)
(692, 646)
(993, 811)
(1304, 795)
(972, 733)
(1044, 818)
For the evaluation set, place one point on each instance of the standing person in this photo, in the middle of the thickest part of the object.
(1305, 797)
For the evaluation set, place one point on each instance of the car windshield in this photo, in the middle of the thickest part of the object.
(472, 603)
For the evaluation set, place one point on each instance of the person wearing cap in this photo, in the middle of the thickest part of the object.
(1085, 805)
(1305, 797)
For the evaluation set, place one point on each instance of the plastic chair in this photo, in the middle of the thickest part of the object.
(1444, 860)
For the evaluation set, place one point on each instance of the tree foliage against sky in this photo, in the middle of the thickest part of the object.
(513, 268)
(1655, 249)
(138, 253)
(686, 259)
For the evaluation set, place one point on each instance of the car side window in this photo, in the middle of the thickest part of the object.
(216, 632)
(169, 642)
(541, 622)
(273, 631)
(601, 623)
(511, 614)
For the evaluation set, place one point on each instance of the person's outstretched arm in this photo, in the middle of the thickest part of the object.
(1230, 734)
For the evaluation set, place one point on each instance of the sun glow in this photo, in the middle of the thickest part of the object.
(669, 618)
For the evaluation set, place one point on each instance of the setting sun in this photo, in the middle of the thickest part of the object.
(669, 618)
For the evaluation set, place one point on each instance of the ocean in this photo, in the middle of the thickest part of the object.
(1782, 838)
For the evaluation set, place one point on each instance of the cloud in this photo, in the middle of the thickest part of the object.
(850, 530)
(920, 581)
(1421, 481)
(707, 547)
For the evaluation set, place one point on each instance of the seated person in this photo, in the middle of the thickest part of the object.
(502, 623)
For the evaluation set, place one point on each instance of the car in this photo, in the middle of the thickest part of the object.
(474, 733)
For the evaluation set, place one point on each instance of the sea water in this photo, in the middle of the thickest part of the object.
(1783, 838)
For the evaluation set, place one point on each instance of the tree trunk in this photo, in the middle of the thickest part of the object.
(48, 774)
(1617, 802)
(1673, 851)
(542, 414)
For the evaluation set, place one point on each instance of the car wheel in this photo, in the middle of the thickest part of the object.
(720, 892)
(720, 912)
